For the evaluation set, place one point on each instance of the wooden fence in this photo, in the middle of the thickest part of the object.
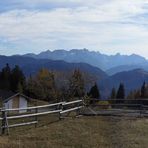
(64, 108)
(61, 108)
(117, 107)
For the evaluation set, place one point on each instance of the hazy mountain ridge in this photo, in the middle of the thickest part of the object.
(93, 58)
(132, 79)
(31, 65)
(121, 68)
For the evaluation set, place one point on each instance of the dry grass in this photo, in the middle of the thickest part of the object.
(35, 102)
(84, 132)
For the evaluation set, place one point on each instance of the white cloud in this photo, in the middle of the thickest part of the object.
(110, 26)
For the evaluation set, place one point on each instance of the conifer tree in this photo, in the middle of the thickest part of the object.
(143, 90)
(113, 93)
(17, 79)
(121, 92)
(94, 92)
(5, 77)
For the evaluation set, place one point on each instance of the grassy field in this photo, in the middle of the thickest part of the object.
(83, 132)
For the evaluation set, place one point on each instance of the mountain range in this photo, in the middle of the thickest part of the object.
(132, 80)
(31, 66)
(105, 62)
(108, 71)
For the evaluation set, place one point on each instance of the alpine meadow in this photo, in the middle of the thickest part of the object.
(73, 74)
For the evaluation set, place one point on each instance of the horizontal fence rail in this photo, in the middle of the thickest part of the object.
(117, 105)
(59, 109)
(137, 107)
(72, 109)
(63, 109)
(34, 107)
(22, 124)
(35, 114)
(72, 102)
(78, 103)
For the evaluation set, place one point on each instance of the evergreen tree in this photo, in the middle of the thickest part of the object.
(113, 93)
(143, 90)
(94, 92)
(20, 88)
(76, 84)
(17, 80)
(121, 92)
(5, 77)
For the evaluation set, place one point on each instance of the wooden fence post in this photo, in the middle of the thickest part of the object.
(77, 111)
(3, 125)
(36, 118)
(60, 107)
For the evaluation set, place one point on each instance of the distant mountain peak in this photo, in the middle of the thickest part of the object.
(93, 58)
(118, 54)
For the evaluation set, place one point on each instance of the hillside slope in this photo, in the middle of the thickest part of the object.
(132, 80)
(31, 65)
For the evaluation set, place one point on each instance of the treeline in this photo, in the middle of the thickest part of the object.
(135, 94)
(53, 86)
(47, 85)
(12, 79)
(118, 94)
(57, 86)
(139, 93)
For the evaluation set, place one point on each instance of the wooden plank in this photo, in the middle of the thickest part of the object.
(116, 104)
(34, 107)
(144, 106)
(22, 124)
(139, 99)
(71, 109)
(35, 114)
(44, 106)
(72, 102)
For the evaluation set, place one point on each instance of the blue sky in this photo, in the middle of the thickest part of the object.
(108, 26)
